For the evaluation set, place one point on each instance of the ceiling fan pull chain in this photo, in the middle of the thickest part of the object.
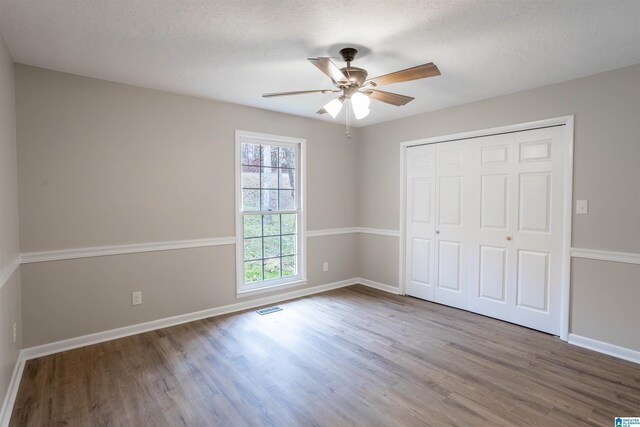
(348, 114)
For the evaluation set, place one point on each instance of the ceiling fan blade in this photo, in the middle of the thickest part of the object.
(330, 69)
(389, 98)
(413, 73)
(299, 92)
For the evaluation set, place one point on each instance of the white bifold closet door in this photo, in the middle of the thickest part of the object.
(484, 225)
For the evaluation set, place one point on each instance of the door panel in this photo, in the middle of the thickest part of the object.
(533, 280)
(538, 240)
(535, 202)
(493, 273)
(449, 265)
(421, 253)
(451, 223)
(535, 151)
(449, 202)
(422, 199)
(491, 199)
(494, 201)
(420, 221)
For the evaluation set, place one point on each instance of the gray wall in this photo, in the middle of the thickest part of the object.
(102, 163)
(9, 246)
(607, 150)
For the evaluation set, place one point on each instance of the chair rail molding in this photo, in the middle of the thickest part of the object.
(8, 270)
(99, 251)
(613, 256)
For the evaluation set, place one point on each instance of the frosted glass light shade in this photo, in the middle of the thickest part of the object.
(361, 114)
(360, 104)
(333, 107)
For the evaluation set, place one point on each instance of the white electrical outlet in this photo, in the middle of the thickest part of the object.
(136, 298)
(15, 332)
(582, 207)
(325, 266)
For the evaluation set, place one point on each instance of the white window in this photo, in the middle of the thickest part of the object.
(270, 225)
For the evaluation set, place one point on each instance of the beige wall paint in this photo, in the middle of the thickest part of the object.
(604, 300)
(607, 149)
(102, 163)
(375, 258)
(10, 312)
(606, 153)
(71, 298)
(9, 246)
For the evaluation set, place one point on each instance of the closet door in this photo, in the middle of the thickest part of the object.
(537, 238)
(484, 224)
(493, 258)
(452, 211)
(516, 236)
(420, 220)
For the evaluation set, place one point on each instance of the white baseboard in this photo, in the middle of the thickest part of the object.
(377, 285)
(12, 392)
(606, 348)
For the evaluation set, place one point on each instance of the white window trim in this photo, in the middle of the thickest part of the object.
(300, 279)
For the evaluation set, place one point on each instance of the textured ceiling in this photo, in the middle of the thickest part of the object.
(236, 50)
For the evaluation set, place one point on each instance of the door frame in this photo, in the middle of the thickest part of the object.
(567, 121)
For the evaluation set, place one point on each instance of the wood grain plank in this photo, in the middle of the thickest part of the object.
(351, 356)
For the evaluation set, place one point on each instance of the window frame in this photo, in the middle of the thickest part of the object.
(300, 279)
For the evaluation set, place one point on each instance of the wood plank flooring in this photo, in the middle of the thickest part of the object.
(352, 356)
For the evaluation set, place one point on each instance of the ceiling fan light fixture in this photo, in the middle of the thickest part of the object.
(354, 84)
(360, 104)
(333, 107)
(361, 114)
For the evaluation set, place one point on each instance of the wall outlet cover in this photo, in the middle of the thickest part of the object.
(582, 207)
(136, 298)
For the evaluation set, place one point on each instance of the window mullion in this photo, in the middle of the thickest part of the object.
(270, 212)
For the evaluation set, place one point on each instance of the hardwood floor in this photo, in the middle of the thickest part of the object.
(353, 356)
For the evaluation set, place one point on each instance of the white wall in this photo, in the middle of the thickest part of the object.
(102, 164)
(9, 248)
(607, 151)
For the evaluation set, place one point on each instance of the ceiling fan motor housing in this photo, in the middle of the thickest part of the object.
(356, 76)
(348, 53)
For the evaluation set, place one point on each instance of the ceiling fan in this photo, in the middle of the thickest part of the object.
(352, 84)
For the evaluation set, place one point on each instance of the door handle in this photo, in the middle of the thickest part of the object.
(437, 231)
(508, 237)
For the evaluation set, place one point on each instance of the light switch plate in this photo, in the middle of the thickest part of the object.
(582, 207)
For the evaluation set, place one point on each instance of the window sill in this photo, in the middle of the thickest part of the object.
(268, 289)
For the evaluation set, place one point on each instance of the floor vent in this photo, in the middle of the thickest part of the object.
(268, 310)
